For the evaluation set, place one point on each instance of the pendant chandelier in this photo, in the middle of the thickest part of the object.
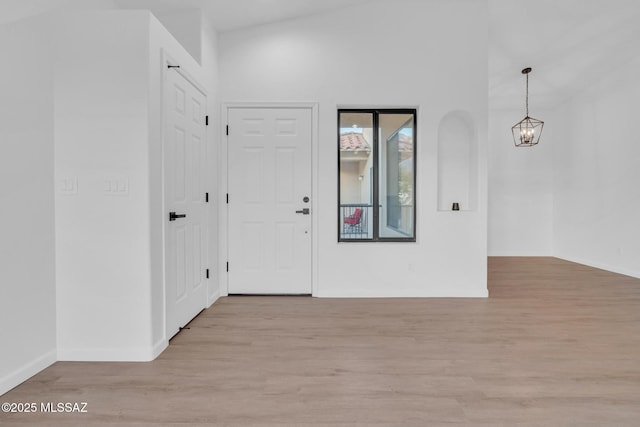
(526, 133)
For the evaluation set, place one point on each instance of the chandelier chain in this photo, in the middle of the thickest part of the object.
(527, 97)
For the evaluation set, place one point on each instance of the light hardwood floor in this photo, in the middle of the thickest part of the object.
(556, 344)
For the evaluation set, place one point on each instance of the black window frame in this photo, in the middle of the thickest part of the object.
(376, 112)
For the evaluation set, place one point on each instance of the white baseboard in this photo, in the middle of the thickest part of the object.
(158, 348)
(26, 371)
(213, 298)
(137, 354)
(519, 254)
(601, 266)
(481, 293)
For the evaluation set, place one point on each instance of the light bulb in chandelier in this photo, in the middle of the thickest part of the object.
(527, 135)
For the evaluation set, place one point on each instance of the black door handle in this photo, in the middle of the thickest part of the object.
(304, 211)
(173, 216)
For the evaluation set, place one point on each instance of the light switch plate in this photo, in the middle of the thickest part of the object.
(116, 186)
(68, 185)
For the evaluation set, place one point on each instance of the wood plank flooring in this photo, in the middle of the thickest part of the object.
(556, 344)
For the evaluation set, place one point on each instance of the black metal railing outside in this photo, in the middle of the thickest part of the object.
(354, 218)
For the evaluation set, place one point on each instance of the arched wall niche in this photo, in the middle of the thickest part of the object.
(457, 162)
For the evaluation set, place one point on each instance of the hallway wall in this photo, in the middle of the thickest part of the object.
(27, 246)
(597, 200)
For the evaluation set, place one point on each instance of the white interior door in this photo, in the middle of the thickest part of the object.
(269, 172)
(186, 228)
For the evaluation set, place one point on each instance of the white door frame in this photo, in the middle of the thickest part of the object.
(166, 61)
(223, 179)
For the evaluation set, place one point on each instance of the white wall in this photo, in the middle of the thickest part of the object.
(342, 59)
(27, 260)
(16, 10)
(596, 159)
(520, 187)
(102, 232)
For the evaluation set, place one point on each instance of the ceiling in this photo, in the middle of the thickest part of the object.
(568, 43)
(227, 15)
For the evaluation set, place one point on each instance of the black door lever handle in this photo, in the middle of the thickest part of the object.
(304, 211)
(173, 216)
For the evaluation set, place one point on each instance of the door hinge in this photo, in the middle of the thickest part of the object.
(227, 130)
(227, 266)
(206, 120)
(207, 273)
(206, 197)
(227, 198)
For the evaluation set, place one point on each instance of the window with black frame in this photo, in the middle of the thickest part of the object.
(377, 163)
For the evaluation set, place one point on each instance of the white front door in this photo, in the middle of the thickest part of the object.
(269, 164)
(185, 219)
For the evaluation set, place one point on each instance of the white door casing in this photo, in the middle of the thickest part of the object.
(184, 194)
(269, 177)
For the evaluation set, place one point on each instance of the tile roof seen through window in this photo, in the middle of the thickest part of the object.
(353, 141)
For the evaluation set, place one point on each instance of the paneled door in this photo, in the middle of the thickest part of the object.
(269, 206)
(185, 219)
